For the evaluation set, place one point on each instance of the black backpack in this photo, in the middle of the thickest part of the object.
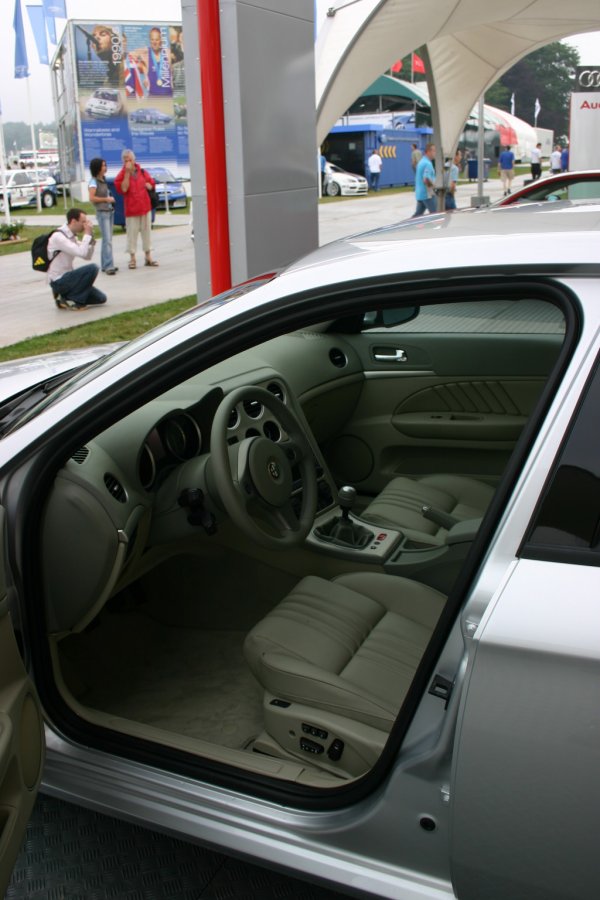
(40, 261)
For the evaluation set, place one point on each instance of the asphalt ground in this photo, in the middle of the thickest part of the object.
(28, 309)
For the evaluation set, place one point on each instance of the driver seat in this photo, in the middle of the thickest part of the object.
(336, 659)
(450, 498)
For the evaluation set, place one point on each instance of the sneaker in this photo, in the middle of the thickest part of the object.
(110, 271)
(68, 304)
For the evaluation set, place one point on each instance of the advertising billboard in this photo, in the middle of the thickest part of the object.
(584, 137)
(131, 92)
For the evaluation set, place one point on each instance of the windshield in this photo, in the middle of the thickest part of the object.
(22, 407)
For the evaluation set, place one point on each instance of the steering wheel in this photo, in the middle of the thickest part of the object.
(256, 473)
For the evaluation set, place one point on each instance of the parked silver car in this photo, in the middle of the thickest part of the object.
(311, 572)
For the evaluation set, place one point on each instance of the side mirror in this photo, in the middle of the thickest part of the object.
(390, 318)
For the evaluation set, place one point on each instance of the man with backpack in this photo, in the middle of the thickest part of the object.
(73, 288)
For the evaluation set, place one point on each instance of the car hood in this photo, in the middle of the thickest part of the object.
(20, 374)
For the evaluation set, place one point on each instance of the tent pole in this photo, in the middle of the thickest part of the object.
(437, 131)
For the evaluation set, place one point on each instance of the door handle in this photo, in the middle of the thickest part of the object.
(385, 354)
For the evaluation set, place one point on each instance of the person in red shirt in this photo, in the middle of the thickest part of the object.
(134, 183)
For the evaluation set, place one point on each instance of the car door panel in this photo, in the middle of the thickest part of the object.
(524, 789)
(21, 738)
(439, 403)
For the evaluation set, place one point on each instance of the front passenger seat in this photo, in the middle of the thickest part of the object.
(450, 499)
(336, 659)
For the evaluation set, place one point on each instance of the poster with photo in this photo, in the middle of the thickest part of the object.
(131, 89)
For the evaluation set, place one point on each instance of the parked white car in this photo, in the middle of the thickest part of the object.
(104, 102)
(310, 573)
(338, 181)
(21, 188)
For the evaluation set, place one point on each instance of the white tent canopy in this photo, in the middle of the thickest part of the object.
(469, 44)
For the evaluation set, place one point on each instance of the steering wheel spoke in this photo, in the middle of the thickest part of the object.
(254, 478)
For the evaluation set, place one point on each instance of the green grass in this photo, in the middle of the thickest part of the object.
(122, 327)
(27, 235)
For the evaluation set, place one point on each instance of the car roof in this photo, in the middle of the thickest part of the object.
(542, 234)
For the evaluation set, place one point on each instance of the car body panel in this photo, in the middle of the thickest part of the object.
(21, 737)
(583, 185)
(104, 103)
(338, 181)
(424, 823)
(149, 116)
(168, 188)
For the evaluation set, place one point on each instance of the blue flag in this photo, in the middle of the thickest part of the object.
(38, 26)
(21, 64)
(55, 9)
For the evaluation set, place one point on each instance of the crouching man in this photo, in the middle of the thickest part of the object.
(73, 288)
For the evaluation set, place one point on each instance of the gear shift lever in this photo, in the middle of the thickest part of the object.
(346, 500)
(341, 530)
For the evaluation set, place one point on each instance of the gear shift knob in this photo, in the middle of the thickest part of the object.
(346, 498)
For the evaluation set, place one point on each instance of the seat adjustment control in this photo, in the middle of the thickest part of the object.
(310, 746)
(335, 750)
(314, 731)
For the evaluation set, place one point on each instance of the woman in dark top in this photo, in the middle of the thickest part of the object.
(104, 204)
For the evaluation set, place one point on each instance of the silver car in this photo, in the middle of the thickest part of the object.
(307, 573)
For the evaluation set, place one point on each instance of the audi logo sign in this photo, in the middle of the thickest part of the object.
(587, 78)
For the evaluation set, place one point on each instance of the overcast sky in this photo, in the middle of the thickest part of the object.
(13, 92)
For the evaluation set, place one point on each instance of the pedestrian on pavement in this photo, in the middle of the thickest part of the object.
(425, 183)
(134, 183)
(375, 163)
(506, 165)
(564, 159)
(536, 162)
(104, 204)
(452, 181)
(555, 160)
(73, 288)
(323, 166)
(415, 156)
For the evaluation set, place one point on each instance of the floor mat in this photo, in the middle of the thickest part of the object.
(185, 680)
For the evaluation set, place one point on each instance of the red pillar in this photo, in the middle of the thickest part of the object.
(211, 87)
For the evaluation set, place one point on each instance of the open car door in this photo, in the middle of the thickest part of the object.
(21, 735)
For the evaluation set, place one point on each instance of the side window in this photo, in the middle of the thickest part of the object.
(566, 526)
(492, 317)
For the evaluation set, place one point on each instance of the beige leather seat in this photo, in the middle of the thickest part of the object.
(339, 656)
(400, 503)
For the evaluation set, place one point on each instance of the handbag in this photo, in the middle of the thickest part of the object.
(154, 201)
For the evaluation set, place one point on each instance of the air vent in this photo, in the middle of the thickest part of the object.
(115, 488)
(81, 455)
(276, 390)
(253, 409)
(338, 357)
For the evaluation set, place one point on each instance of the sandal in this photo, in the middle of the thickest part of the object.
(150, 262)
(132, 264)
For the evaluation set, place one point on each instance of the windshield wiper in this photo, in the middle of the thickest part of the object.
(15, 407)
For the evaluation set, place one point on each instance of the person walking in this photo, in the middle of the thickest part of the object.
(415, 156)
(73, 288)
(536, 162)
(452, 181)
(375, 163)
(506, 166)
(425, 183)
(555, 156)
(564, 159)
(104, 204)
(134, 183)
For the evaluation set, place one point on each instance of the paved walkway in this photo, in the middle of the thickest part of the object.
(28, 309)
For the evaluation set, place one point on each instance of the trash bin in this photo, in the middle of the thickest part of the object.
(119, 204)
(472, 169)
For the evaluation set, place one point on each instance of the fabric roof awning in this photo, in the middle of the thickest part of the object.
(468, 43)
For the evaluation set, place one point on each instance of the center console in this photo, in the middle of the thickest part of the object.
(341, 533)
